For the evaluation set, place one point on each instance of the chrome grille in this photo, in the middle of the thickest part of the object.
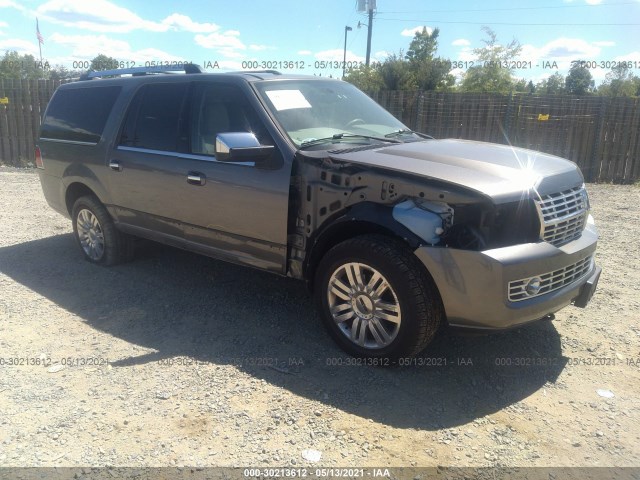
(550, 281)
(563, 215)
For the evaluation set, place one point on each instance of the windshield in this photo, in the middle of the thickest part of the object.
(316, 112)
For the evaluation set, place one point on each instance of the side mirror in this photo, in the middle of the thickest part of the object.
(242, 147)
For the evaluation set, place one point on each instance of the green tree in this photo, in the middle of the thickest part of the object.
(396, 74)
(521, 86)
(366, 78)
(553, 85)
(429, 72)
(620, 82)
(531, 88)
(392, 74)
(417, 69)
(423, 45)
(492, 74)
(60, 72)
(579, 81)
(19, 67)
(102, 62)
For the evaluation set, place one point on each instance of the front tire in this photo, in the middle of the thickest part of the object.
(96, 234)
(376, 299)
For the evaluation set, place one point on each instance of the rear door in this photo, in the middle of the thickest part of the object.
(146, 177)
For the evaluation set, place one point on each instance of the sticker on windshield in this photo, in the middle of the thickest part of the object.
(287, 99)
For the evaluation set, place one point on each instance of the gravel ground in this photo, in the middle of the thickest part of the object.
(180, 360)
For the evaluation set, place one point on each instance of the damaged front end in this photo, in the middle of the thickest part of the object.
(327, 194)
(475, 249)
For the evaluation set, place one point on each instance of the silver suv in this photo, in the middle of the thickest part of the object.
(395, 233)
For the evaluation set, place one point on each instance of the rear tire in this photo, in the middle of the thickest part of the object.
(376, 299)
(96, 234)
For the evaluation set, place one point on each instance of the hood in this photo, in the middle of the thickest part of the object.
(501, 172)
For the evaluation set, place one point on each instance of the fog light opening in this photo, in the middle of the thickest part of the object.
(533, 286)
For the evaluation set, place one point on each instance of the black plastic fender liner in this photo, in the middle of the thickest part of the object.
(360, 219)
(330, 197)
(381, 215)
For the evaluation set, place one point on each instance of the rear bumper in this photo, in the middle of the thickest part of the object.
(53, 191)
(474, 286)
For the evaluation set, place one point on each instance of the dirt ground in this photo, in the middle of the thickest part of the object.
(176, 359)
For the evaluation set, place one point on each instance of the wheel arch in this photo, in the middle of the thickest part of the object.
(74, 191)
(361, 219)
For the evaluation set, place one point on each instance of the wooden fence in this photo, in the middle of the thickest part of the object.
(22, 103)
(600, 134)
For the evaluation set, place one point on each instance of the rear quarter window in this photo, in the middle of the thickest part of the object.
(79, 114)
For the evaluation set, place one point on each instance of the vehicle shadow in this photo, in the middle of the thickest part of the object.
(184, 305)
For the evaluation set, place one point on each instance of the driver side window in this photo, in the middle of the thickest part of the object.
(221, 109)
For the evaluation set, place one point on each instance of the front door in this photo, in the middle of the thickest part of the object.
(174, 185)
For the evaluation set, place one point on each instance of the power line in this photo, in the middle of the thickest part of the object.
(550, 7)
(413, 20)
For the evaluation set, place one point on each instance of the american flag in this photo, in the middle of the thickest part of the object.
(38, 34)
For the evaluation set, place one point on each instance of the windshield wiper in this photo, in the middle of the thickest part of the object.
(343, 136)
(407, 131)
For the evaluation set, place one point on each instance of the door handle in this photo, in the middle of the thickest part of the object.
(115, 165)
(196, 178)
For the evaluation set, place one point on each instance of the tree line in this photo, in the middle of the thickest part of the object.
(15, 66)
(492, 71)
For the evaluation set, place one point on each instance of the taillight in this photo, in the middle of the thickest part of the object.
(39, 163)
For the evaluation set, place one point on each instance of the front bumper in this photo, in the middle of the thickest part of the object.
(474, 286)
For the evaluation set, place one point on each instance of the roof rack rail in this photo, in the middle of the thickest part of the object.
(274, 72)
(136, 71)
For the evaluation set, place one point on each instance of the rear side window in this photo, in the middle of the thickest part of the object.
(154, 119)
(79, 114)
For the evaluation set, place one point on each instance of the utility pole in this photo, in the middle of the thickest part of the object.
(371, 5)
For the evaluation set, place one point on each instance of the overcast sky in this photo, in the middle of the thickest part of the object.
(304, 33)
